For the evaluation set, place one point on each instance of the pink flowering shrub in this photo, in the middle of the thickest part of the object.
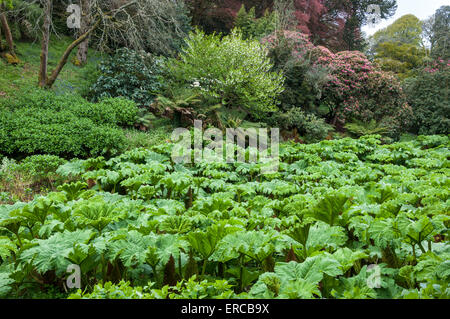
(357, 89)
(437, 65)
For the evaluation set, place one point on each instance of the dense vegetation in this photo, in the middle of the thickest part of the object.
(333, 209)
(64, 125)
(359, 205)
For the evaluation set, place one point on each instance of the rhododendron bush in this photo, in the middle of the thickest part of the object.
(356, 88)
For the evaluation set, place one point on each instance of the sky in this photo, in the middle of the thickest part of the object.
(420, 8)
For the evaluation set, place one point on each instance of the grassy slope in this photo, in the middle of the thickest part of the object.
(72, 78)
(15, 80)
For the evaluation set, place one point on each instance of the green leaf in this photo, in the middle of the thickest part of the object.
(347, 257)
(205, 243)
(323, 236)
(7, 247)
(50, 254)
(311, 270)
(132, 249)
(5, 282)
(96, 213)
(73, 190)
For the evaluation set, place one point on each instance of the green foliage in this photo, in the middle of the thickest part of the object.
(305, 79)
(96, 214)
(338, 216)
(129, 74)
(205, 243)
(358, 128)
(20, 180)
(31, 131)
(161, 132)
(400, 58)
(304, 85)
(189, 289)
(331, 210)
(5, 281)
(399, 47)
(440, 47)
(123, 109)
(41, 166)
(36, 168)
(406, 29)
(228, 71)
(312, 128)
(253, 28)
(66, 125)
(343, 86)
(7, 3)
(108, 290)
(296, 280)
(428, 95)
(109, 111)
(51, 253)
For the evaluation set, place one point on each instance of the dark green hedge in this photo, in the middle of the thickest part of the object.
(40, 122)
(428, 95)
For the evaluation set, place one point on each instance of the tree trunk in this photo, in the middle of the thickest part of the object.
(7, 32)
(1, 41)
(45, 40)
(85, 24)
(10, 55)
(62, 62)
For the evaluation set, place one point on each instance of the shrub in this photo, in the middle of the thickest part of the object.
(125, 111)
(41, 167)
(233, 71)
(428, 95)
(43, 123)
(136, 139)
(253, 27)
(357, 129)
(312, 128)
(110, 111)
(355, 89)
(130, 74)
(305, 80)
(37, 131)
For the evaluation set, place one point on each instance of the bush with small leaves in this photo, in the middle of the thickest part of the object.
(44, 123)
(428, 95)
(230, 70)
(130, 74)
(353, 89)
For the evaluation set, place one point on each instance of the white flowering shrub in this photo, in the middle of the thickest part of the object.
(231, 70)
